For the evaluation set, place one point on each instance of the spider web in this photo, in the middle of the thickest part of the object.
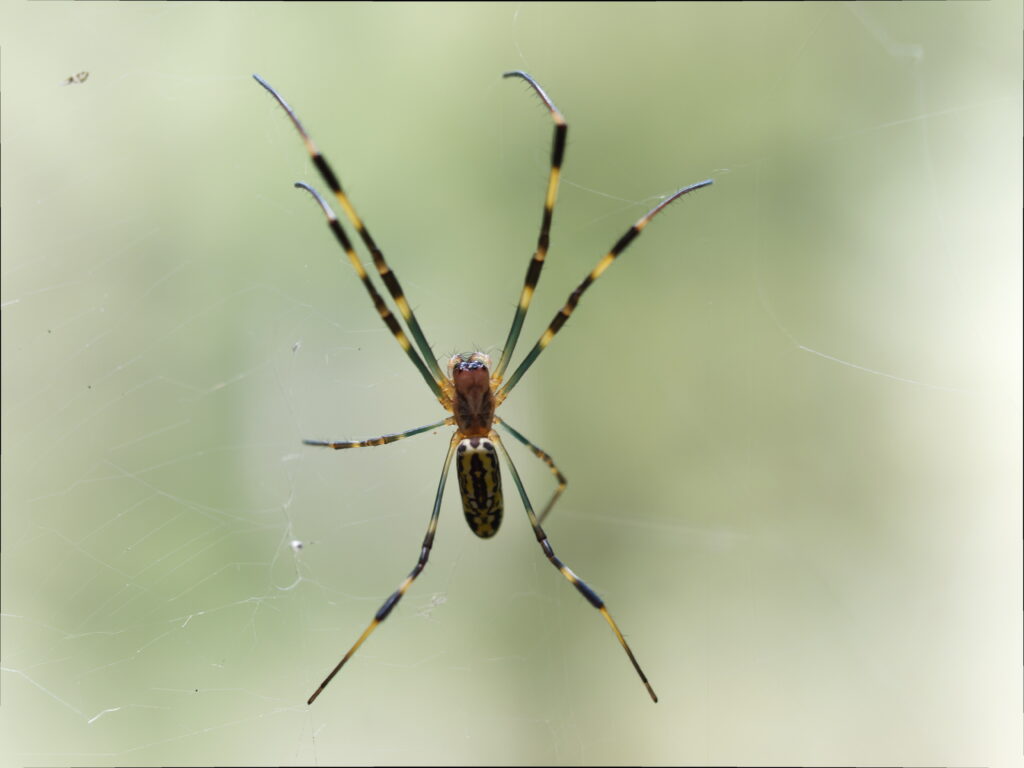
(789, 415)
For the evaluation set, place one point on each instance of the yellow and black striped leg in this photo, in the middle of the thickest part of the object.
(382, 440)
(390, 281)
(382, 309)
(592, 597)
(596, 272)
(392, 601)
(543, 240)
(559, 477)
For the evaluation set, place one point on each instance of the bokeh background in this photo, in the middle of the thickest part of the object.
(789, 415)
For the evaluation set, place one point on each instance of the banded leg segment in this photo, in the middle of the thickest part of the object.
(392, 601)
(559, 477)
(382, 308)
(390, 281)
(543, 240)
(581, 586)
(382, 440)
(596, 272)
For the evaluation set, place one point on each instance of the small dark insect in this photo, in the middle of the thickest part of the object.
(81, 77)
(470, 390)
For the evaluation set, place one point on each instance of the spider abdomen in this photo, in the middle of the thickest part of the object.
(476, 464)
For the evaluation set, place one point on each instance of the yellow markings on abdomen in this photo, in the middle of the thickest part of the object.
(476, 464)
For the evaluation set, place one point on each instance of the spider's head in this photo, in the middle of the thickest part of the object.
(473, 404)
(469, 366)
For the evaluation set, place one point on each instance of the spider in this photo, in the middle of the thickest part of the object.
(470, 389)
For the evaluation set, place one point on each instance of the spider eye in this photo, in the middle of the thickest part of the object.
(468, 361)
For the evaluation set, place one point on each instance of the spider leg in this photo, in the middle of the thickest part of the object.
(596, 272)
(390, 281)
(385, 314)
(543, 240)
(382, 440)
(392, 601)
(592, 597)
(559, 477)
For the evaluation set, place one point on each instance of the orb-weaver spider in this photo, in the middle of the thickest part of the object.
(470, 390)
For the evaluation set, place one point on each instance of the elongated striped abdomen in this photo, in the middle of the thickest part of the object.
(476, 463)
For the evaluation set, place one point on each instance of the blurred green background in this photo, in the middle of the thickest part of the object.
(789, 415)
